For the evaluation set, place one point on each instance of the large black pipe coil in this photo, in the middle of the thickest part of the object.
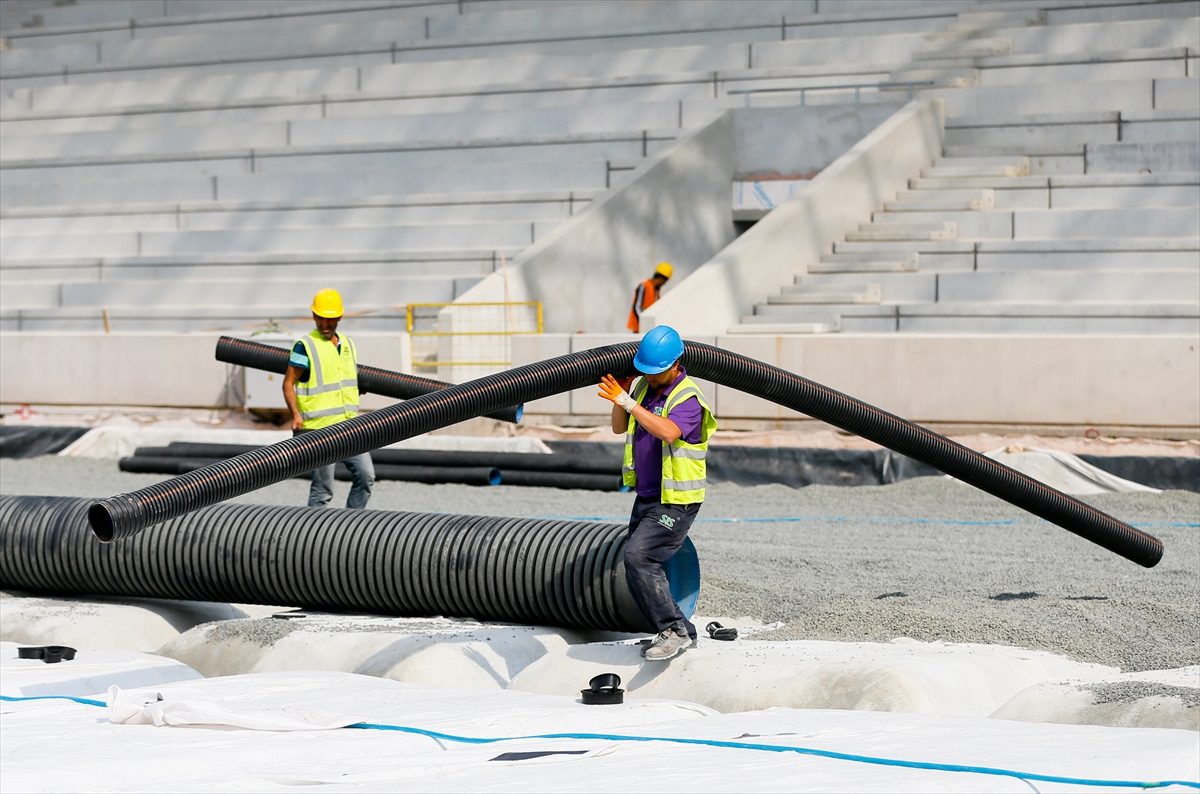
(371, 380)
(126, 514)
(517, 570)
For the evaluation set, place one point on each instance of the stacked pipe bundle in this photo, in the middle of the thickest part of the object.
(586, 472)
(125, 515)
(517, 570)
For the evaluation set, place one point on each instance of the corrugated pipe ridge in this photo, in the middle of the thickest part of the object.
(371, 380)
(127, 514)
(517, 570)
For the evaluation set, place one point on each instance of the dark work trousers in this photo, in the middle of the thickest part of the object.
(362, 476)
(656, 532)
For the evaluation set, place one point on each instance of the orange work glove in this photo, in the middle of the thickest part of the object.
(611, 390)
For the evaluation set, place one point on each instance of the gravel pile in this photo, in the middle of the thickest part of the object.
(930, 558)
(1133, 691)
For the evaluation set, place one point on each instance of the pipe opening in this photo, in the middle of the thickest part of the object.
(101, 522)
(493, 477)
(683, 575)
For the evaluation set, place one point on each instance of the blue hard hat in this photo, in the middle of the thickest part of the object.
(661, 347)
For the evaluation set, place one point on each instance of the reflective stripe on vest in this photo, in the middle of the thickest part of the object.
(684, 468)
(330, 394)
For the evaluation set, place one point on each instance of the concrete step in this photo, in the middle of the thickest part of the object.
(968, 224)
(1030, 150)
(900, 249)
(913, 232)
(595, 118)
(894, 287)
(1172, 156)
(360, 293)
(969, 183)
(991, 20)
(1140, 222)
(976, 161)
(282, 187)
(871, 294)
(1071, 286)
(311, 240)
(265, 220)
(936, 78)
(974, 200)
(748, 326)
(975, 171)
(967, 48)
(866, 263)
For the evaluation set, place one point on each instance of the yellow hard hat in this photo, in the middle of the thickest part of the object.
(664, 269)
(327, 303)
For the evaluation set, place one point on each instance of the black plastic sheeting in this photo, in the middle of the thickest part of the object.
(29, 442)
(1170, 473)
(517, 570)
(127, 514)
(371, 380)
(792, 466)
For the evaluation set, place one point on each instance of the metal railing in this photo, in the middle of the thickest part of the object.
(858, 87)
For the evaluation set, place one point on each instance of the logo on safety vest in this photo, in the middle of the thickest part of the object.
(666, 521)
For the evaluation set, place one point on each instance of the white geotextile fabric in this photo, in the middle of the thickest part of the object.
(63, 746)
(119, 441)
(126, 709)
(953, 679)
(1074, 701)
(89, 673)
(1064, 471)
(139, 624)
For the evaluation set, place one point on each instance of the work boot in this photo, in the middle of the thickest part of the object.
(667, 645)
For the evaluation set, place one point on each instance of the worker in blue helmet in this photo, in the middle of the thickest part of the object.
(667, 424)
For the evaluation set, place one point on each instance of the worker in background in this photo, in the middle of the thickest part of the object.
(321, 389)
(667, 424)
(647, 293)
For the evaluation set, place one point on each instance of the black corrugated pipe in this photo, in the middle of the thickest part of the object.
(371, 380)
(508, 461)
(126, 514)
(554, 479)
(516, 570)
(435, 475)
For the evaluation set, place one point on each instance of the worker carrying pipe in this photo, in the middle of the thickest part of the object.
(647, 293)
(321, 389)
(667, 424)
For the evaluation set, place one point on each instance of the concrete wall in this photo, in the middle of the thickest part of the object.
(1003, 379)
(795, 234)
(675, 207)
(166, 370)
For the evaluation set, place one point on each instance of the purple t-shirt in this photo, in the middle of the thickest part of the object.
(647, 449)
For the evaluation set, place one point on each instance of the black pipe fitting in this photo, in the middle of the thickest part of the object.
(371, 380)
(127, 514)
(515, 570)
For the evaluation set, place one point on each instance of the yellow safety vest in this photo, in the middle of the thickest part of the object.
(330, 395)
(683, 465)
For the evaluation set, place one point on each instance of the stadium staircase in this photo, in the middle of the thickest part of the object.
(178, 165)
(1067, 199)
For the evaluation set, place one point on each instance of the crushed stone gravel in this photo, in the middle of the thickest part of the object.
(930, 559)
(1132, 691)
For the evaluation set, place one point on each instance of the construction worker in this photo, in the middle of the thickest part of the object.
(321, 389)
(647, 293)
(667, 424)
